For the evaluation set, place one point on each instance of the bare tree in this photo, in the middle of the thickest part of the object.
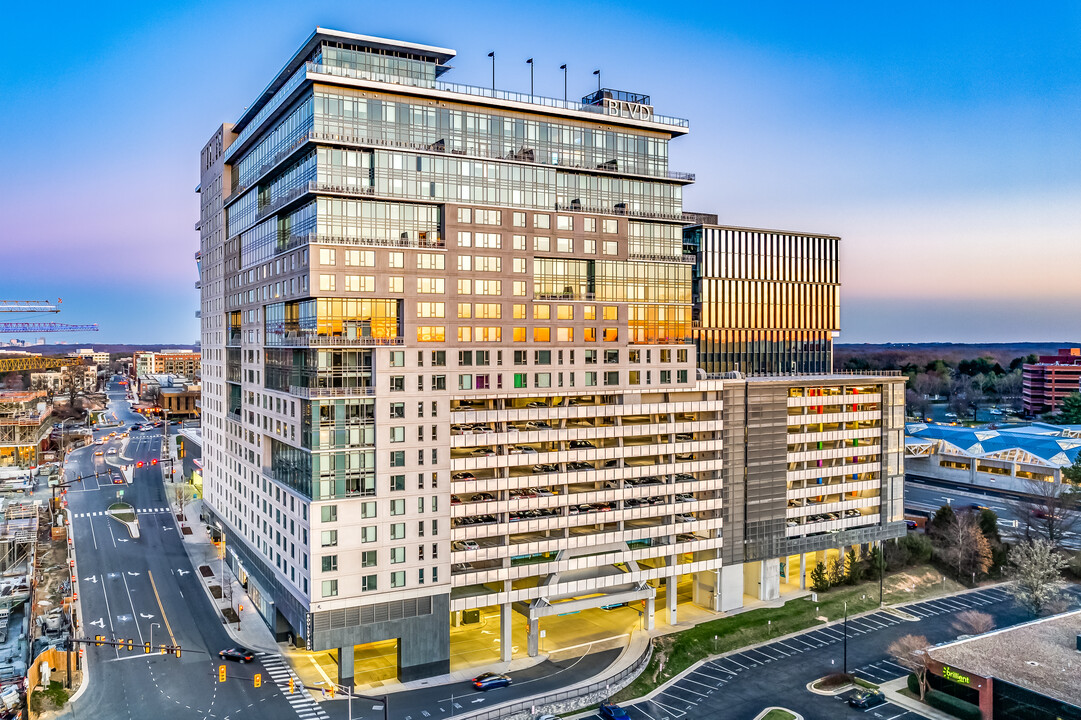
(973, 622)
(964, 545)
(910, 653)
(1036, 569)
(1047, 512)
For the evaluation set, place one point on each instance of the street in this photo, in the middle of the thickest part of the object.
(146, 590)
(740, 685)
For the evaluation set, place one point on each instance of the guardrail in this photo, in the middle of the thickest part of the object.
(536, 705)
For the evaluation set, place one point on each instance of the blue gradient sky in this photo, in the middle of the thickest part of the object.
(940, 142)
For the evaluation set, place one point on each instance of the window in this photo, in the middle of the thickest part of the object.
(397, 579)
(681, 376)
(542, 244)
(519, 312)
(610, 312)
(439, 382)
(542, 221)
(328, 538)
(518, 242)
(465, 286)
(666, 356)
(520, 380)
(610, 226)
(465, 215)
(591, 378)
(589, 224)
(329, 513)
(439, 358)
(326, 256)
(360, 258)
(397, 530)
(564, 245)
(518, 219)
(634, 377)
(369, 534)
(564, 222)
(396, 260)
(368, 558)
(681, 356)
(611, 247)
(591, 357)
(589, 247)
(431, 261)
(367, 510)
(397, 410)
(520, 357)
(611, 356)
(611, 334)
(611, 378)
(395, 284)
(465, 239)
(330, 588)
(330, 563)
(542, 357)
(397, 358)
(465, 263)
(430, 309)
(542, 380)
(397, 483)
(465, 311)
(367, 583)
(397, 434)
(666, 377)
(465, 382)
(589, 312)
(326, 282)
(431, 333)
(518, 288)
(397, 458)
(542, 334)
(397, 383)
(519, 265)
(397, 555)
(465, 357)
(565, 312)
(488, 287)
(486, 263)
(542, 312)
(488, 311)
(429, 286)
(564, 334)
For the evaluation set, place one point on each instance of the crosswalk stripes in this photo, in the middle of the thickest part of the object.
(140, 511)
(301, 701)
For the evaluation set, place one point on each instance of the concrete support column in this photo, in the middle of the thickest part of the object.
(648, 619)
(506, 633)
(803, 571)
(670, 598)
(533, 637)
(345, 666)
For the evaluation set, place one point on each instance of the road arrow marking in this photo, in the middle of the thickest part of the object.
(479, 700)
(92, 578)
(100, 622)
(182, 573)
(133, 574)
(121, 540)
(146, 617)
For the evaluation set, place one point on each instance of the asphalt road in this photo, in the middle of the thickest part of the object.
(925, 495)
(136, 587)
(741, 685)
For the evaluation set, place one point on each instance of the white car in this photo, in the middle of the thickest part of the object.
(466, 545)
(684, 497)
(522, 450)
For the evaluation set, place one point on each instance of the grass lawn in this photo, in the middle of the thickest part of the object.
(122, 512)
(674, 653)
(778, 714)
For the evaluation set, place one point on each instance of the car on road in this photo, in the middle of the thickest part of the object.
(237, 654)
(112, 451)
(118, 480)
(488, 681)
(99, 453)
(866, 700)
(911, 524)
(611, 711)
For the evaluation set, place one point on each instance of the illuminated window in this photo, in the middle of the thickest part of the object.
(326, 256)
(590, 334)
(430, 309)
(564, 245)
(589, 312)
(488, 311)
(326, 282)
(518, 288)
(519, 242)
(542, 244)
(564, 222)
(542, 312)
(519, 312)
(360, 258)
(565, 312)
(589, 224)
(465, 334)
(493, 241)
(589, 247)
(565, 334)
(465, 286)
(396, 284)
(542, 221)
(611, 312)
(488, 264)
(610, 226)
(431, 261)
(611, 247)
(465, 215)
(519, 265)
(488, 287)
(519, 334)
(666, 356)
(465, 311)
(488, 217)
(360, 283)
(634, 377)
(429, 286)
(518, 220)
(465, 239)
(396, 260)
(488, 334)
(542, 334)
(611, 334)
(430, 333)
(465, 263)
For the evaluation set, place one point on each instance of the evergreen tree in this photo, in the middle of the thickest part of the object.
(1069, 413)
(853, 569)
(819, 579)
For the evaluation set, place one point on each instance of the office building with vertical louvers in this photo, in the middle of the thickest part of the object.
(450, 371)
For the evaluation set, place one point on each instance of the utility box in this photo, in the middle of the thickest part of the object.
(470, 617)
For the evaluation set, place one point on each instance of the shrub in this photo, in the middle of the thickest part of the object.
(896, 555)
(953, 706)
(913, 684)
(919, 548)
(820, 581)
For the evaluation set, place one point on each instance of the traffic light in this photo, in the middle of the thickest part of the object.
(131, 644)
(153, 461)
(292, 686)
(163, 650)
(333, 689)
(146, 648)
(221, 673)
(176, 651)
(99, 639)
(139, 464)
(258, 679)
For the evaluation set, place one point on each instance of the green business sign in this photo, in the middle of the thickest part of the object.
(950, 674)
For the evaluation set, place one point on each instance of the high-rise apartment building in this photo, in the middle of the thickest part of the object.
(1049, 380)
(449, 366)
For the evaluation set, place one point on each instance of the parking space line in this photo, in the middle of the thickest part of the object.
(728, 675)
(732, 658)
(687, 689)
(699, 682)
(679, 713)
(771, 648)
(729, 671)
(784, 643)
(768, 657)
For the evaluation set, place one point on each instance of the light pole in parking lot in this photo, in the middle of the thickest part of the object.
(844, 668)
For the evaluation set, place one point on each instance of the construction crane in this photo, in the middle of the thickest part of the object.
(36, 362)
(21, 306)
(45, 327)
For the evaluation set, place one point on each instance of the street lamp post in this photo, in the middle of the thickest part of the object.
(152, 625)
(563, 67)
(492, 56)
(529, 62)
(845, 660)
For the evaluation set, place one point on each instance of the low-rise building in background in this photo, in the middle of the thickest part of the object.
(1047, 382)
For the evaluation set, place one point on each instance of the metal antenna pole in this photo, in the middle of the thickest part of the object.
(563, 67)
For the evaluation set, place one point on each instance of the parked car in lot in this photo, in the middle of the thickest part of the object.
(463, 476)
(576, 444)
(522, 449)
(490, 681)
(611, 711)
(465, 545)
(545, 468)
(866, 700)
(578, 465)
(482, 497)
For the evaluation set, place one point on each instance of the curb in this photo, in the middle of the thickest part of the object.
(79, 604)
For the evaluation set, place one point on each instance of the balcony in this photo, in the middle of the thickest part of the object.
(301, 339)
(330, 392)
